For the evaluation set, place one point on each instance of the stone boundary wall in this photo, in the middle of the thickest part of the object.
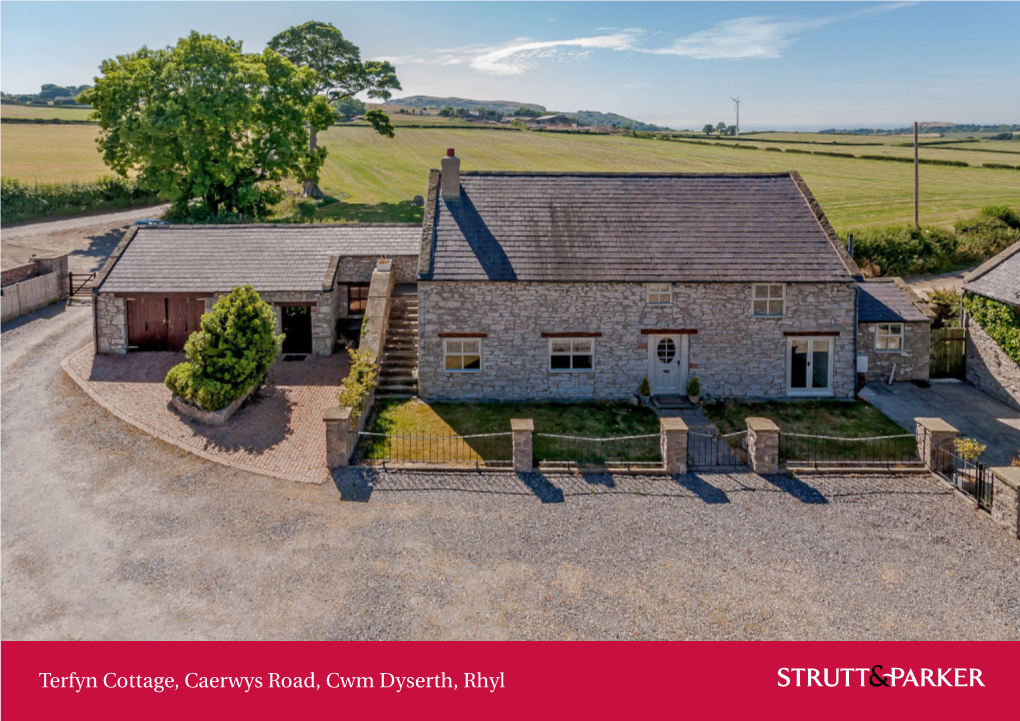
(16, 275)
(990, 369)
(42, 282)
(913, 363)
(341, 427)
(733, 354)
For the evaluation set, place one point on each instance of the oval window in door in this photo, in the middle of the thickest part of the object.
(666, 351)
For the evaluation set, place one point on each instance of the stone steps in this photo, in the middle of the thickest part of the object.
(398, 370)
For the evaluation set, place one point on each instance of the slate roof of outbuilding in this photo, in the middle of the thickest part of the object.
(216, 258)
(889, 300)
(998, 278)
(630, 227)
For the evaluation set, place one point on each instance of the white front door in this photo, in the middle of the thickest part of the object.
(809, 367)
(667, 364)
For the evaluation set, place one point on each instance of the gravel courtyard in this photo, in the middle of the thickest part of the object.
(109, 533)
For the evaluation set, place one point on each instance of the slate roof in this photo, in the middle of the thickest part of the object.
(215, 258)
(885, 301)
(998, 278)
(630, 227)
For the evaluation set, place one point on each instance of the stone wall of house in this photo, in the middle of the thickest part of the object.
(913, 363)
(359, 270)
(990, 369)
(733, 354)
(110, 317)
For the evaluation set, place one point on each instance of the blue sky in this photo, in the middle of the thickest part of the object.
(794, 65)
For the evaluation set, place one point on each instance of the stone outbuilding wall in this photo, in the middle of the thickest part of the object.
(110, 311)
(990, 369)
(733, 354)
(913, 362)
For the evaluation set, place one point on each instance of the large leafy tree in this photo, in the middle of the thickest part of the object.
(204, 120)
(339, 73)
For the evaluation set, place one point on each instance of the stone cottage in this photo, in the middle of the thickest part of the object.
(537, 286)
(988, 366)
(894, 332)
(158, 282)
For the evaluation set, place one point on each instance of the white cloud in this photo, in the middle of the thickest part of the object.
(740, 38)
(756, 37)
(522, 54)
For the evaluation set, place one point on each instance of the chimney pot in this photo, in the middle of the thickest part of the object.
(450, 176)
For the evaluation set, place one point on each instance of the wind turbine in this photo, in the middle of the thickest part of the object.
(736, 102)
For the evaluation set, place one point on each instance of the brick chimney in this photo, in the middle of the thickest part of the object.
(451, 176)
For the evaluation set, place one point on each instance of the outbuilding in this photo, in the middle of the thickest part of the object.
(893, 332)
(159, 281)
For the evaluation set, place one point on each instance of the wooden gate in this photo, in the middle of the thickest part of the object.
(947, 353)
(161, 322)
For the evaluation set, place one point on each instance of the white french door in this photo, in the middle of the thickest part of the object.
(667, 364)
(809, 367)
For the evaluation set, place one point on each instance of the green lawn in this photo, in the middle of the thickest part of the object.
(429, 431)
(840, 419)
(376, 178)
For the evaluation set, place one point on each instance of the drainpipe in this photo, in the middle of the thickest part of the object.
(857, 326)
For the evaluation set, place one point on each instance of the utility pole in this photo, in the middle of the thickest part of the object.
(917, 222)
(736, 101)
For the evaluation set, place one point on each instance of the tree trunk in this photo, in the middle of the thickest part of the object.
(311, 188)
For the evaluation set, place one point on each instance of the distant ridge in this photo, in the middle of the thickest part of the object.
(508, 107)
(433, 101)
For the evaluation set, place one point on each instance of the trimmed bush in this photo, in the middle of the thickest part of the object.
(1000, 166)
(231, 354)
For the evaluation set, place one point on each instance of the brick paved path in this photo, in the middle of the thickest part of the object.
(277, 433)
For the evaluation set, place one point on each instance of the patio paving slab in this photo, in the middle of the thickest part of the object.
(278, 432)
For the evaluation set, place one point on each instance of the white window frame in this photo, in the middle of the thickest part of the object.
(888, 334)
(659, 289)
(461, 354)
(817, 392)
(571, 354)
(768, 298)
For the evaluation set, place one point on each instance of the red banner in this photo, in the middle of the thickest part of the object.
(508, 680)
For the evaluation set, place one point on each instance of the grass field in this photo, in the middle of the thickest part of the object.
(963, 151)
(377, 177)
(50, 153)
(29, 111)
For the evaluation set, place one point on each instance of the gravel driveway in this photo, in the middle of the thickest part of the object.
(108, 533)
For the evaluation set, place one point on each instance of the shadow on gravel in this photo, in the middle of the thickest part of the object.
(357, 483)
(702, 488)
(542, 487)
(50, 311)
(798, 489)
(99, 248)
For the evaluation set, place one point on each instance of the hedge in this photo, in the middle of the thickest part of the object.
(21, 201)
(906, 250)
(1001, 166)
(1000, 321)
(48, 121)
